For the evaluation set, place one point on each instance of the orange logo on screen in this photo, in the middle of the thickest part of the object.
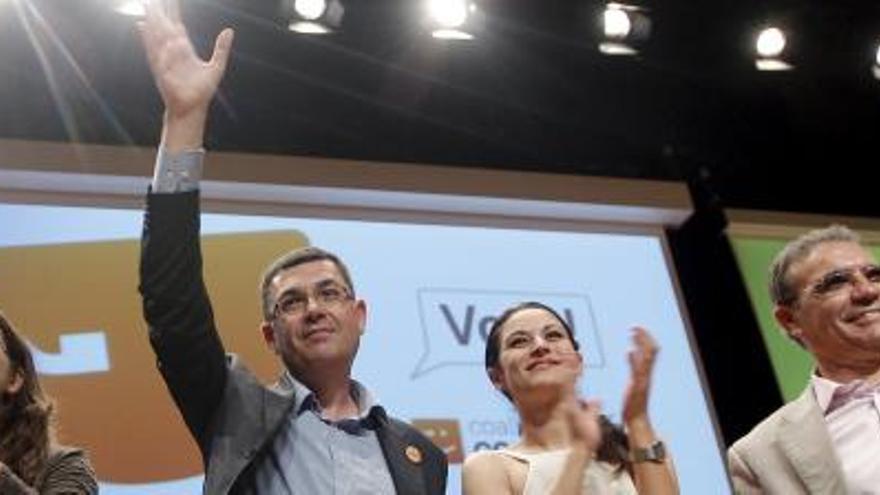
(125, 416)
(446, 434)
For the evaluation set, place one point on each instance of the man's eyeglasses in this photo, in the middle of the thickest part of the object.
(295, 302)
(836, 281)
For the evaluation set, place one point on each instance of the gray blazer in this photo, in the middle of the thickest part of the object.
(231, 415)
(788, 453)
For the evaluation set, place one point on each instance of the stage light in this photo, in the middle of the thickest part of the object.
(314, 16)
(770, 43)
(307, 27)
(133, 8)
(616, 22)
(451, 19)
(310, 10)
(449, 14)
(451, 34)
(875, 69)
(611, 48)
(770, 46)
(624, 27)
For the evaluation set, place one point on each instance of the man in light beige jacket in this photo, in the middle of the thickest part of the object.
(826, 288)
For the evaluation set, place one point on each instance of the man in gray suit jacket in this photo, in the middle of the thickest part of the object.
(826, 288)
(316, 430)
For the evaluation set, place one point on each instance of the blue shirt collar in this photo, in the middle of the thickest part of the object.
(304, 398)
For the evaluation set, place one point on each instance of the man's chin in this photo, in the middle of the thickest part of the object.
(324, 352)
(863, 339)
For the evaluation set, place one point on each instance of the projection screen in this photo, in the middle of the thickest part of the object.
(436, 252)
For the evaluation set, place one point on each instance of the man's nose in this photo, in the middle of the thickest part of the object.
(314, 308)
(312, 302)
(864, 289)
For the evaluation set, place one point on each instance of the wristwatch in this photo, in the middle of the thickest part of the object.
(656, 452)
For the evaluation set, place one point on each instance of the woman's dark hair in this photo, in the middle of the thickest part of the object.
(26, 416)
(614, 448)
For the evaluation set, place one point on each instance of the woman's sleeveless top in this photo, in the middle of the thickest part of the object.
(544, 468)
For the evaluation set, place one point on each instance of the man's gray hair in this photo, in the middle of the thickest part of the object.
(292, 259)
(781, 291)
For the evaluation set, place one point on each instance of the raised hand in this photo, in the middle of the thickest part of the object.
(641, 363)
(186, 82)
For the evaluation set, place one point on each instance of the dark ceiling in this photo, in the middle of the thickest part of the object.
(531, 92)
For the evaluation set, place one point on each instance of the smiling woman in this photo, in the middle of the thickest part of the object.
(566, 446)
(31, 462)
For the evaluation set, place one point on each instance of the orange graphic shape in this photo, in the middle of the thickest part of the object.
(125, 418)
(446, 434)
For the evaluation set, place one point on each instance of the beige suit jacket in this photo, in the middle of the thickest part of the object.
(788, 453)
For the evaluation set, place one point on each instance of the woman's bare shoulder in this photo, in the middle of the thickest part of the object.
(483, 460)
(485, 472)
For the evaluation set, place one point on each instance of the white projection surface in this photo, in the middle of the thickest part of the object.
(432, 291)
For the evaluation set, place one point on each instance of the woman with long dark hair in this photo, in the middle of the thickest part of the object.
(566, 446)
(31, 462)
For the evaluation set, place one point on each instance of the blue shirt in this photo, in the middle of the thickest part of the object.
(312, 455)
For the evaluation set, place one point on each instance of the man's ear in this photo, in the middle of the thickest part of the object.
(360, 306)
(269, 335)
(787, 319)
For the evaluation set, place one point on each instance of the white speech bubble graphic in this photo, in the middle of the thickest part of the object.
(78, 354)
(456, 322)
(184, 486)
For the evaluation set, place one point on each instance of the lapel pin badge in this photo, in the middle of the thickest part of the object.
(414, 454)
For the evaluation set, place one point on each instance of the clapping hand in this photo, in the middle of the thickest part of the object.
(641, 363)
